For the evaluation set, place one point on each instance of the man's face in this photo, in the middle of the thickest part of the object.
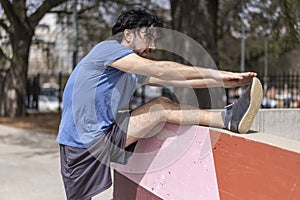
(144, 41)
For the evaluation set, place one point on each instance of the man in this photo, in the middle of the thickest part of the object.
(94, 133)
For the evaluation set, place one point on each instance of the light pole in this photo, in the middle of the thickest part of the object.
(243, 43)
(266, 65)
(75, 33)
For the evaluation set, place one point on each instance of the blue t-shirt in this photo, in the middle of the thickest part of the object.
(93, 95)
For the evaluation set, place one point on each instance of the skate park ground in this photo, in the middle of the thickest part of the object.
(29, 166)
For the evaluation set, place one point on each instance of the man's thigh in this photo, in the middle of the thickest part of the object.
(146, 120)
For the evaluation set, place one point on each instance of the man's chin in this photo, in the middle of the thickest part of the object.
(145, 55)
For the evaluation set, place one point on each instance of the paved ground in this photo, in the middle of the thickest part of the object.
(29, 166)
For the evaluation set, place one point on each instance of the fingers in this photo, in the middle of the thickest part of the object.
(244, 77)
(249, 74)
(237, 82)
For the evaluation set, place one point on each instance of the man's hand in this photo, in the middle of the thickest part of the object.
(231, 79)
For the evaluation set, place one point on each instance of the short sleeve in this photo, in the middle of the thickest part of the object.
(109, 51)
(141, 78)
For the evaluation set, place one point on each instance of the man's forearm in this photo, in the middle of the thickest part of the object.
(186, 72)
(167, 70)
(192, 83)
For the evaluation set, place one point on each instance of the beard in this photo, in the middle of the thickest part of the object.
(143, 53)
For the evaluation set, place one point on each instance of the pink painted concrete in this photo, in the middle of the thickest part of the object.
(173, 165)
(192, 162)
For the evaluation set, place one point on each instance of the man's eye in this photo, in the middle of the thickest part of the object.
(149, 35)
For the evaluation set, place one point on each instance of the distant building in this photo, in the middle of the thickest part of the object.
(50, 51)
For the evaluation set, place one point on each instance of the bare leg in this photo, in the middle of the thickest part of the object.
(150, 117)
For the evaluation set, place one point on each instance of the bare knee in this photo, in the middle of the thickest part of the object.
(159, 106)
(162, 100)
(166, 103)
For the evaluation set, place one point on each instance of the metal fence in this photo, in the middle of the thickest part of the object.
(44, 92)
(281, 90)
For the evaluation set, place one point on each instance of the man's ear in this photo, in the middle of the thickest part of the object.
(128, 35)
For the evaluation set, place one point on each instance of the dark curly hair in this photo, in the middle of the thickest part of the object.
(135, 19)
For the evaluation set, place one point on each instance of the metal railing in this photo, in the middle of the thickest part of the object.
(281, 90)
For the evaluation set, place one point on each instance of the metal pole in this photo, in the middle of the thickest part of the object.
(243, 44)
(75, 33)
(59, 90)
(266, 65)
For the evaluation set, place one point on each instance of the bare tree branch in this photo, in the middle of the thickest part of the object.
(47, 5)
(3, 55)
(71, 12)
(15, 13)
(85, 9)
(20, 8)
(4, 25)
(8, 9)
(61, 12)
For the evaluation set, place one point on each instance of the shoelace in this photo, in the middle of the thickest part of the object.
(228, 107)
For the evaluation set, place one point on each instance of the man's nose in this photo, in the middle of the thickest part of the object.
(152, 46)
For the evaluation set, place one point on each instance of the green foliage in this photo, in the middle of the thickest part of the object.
(277, 21)
(95, 19)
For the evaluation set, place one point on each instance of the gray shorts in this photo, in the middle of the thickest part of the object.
(86, 172)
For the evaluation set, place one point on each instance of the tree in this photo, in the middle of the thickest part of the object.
(216, 26)
(276, 22)
(198, 20)
(19, 22)
(95, 19)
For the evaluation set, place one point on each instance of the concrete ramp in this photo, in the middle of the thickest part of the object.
(195, 163)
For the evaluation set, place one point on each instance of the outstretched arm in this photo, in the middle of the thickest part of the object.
(164, 70)
(204, 82)
(176, 74)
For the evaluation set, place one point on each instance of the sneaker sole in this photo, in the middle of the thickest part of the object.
(256, 97)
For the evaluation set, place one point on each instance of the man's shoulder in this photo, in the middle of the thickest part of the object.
(108, 43)
(110, 46)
